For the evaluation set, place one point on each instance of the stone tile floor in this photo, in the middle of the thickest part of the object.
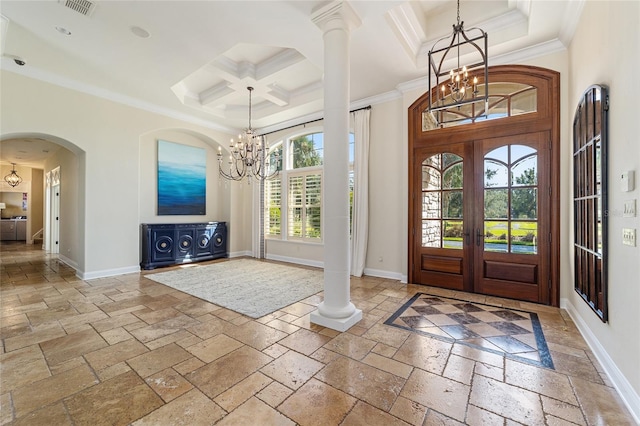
(127, 350)
(514, 333)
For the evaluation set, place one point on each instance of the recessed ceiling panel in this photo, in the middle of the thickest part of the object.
(278, 75)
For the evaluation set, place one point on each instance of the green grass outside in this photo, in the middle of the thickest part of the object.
(497, 228)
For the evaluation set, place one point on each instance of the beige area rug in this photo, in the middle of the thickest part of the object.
(251, 287)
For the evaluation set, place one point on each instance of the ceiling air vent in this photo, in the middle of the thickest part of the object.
(84, 7)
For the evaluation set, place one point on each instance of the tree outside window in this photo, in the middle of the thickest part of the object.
(301, 180)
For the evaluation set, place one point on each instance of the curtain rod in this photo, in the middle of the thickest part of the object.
(310, 121)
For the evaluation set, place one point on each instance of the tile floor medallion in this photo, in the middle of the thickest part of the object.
(516, 334)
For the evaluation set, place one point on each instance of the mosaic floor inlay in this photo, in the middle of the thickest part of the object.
(513, 333)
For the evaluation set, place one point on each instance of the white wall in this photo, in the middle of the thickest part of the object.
(105, 137)
(606, 50)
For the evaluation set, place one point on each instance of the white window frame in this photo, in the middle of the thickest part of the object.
(284, 175)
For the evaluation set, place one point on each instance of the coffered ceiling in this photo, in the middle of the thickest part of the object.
(195, 59)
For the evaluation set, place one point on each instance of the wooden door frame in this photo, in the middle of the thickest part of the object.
(546, 118)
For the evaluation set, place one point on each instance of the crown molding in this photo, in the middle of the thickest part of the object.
(527, 53)
(571, 19)
(99, 92)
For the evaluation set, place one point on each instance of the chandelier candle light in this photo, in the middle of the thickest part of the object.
(250, 156)
(458, 91)
(12, 178)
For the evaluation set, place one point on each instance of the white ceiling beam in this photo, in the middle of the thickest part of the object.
(278, 62)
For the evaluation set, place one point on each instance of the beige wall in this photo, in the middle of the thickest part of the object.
(13, 203)
(101, 235)
(387, 192)
(606, 50)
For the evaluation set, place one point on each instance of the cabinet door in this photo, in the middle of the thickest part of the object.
(204, 240)
(185, 238)
(219, 240)
(8, 230)
(162, 244)
(21, 230)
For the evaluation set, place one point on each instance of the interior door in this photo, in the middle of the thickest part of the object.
(443, 214)
(483, 216)
(512, 223)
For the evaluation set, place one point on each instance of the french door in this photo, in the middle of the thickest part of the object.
(482, 222)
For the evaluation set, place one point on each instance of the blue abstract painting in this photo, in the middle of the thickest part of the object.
(182, 179)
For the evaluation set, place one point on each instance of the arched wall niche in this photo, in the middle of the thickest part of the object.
(218, 191)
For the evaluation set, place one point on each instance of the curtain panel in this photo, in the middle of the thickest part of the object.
(360, 210)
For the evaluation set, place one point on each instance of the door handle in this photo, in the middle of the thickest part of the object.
(478, 237)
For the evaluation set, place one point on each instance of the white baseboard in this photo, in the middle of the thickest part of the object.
(241, 254)
(319, 264)
(628, 394)
(62, 258)
(296, 260)
(107, 272)
(385, 274)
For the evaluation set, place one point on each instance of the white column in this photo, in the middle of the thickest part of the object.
(336, 311)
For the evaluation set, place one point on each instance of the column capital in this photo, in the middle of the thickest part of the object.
(333, 11)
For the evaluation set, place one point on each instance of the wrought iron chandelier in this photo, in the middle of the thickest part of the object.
(461, 85)
(250, 156)
(12, 178)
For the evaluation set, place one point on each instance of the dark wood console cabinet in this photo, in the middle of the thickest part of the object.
(170, 244)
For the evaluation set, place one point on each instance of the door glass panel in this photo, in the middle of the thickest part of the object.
(498, 108)
(431, 205)
(524, 102)
(511, 199)
(450, 159)
(453, 177)
(520, 151)
(442, 198)
(495, 174)
(453, 234)
(452, 204)
(430, 178)
(524, 203)
(524, 237)
(496, 203)
(500, 154)
(525, 172)
(431, 235)
(506, 99)
(495, 236)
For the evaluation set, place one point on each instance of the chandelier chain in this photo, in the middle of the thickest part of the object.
(250, 89)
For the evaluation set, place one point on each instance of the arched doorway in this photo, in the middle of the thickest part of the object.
(57, 158)
(484, 191)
